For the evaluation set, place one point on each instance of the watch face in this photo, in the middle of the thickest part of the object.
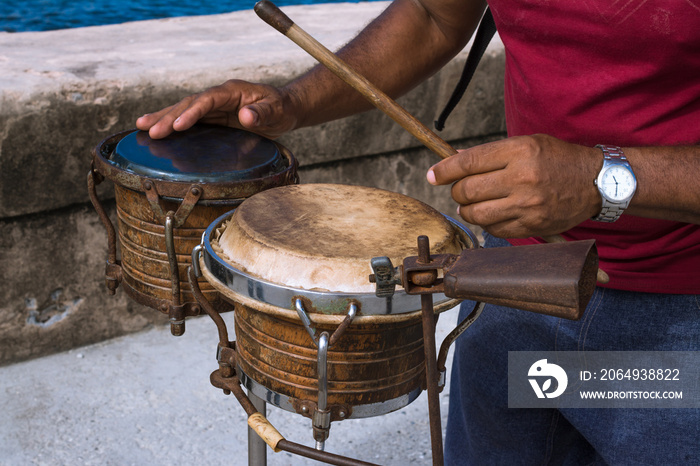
(617, 183)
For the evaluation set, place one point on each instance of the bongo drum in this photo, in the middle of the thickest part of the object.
(312, 337)
(168, 191)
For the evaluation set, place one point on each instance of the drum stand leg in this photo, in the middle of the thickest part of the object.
(257, 448)
(431, 372)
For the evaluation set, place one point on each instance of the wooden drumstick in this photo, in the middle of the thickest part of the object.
(273, 16)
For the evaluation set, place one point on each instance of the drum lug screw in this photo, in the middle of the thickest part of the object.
(177, 328)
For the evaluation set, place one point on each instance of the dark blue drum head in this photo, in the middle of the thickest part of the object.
(204, 153)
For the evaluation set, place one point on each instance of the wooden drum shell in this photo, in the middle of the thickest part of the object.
(379, 359)
(144, 259)
(375, 359)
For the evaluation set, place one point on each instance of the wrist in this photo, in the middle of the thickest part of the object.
(294, 105)
(594, 201)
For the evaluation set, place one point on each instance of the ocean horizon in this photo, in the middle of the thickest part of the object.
(50, 15)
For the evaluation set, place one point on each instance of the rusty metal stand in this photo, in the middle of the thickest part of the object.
(431, 375)
(431, 372)
(257, 448)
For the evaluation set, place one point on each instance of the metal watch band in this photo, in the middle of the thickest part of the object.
(611, 212)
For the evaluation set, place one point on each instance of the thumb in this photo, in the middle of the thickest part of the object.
(249, 117)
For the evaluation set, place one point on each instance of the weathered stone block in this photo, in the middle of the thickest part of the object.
(53, 296)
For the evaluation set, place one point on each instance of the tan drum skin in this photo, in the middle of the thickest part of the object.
(322, 236)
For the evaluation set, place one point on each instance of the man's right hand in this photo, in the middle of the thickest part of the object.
(257, 108)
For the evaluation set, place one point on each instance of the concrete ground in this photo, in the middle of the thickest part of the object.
(146, 399)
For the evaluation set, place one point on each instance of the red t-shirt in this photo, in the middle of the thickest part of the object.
(620, 73)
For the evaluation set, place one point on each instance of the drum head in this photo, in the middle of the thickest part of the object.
(323, 236)
(204, 153)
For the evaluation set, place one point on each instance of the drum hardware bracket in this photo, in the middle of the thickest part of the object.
(184, 210)
(415, 276)
(113, 276)
(306, 408)
(196, 254)
(321, 417)
(385, 276)
(113, 269)
(225, 350)
(193, 273)
(176, 313)
(170, 221)
(450, 339)
(226, 357)
(172, 257)
(301, 312)
(419, 275)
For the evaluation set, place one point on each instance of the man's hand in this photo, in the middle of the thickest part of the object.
(258, 108)
(523, 186)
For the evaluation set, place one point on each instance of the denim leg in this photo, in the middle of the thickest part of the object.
(624, 321)
(482, 430)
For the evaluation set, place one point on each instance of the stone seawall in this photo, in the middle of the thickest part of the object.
(62, 92)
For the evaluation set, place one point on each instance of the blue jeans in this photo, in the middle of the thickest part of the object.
(482, 430)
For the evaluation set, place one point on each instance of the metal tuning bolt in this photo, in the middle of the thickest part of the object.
(321, 420)
(385, 275)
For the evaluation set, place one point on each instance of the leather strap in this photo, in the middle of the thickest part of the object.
(484, 34)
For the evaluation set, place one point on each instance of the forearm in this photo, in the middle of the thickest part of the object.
(409, 42)
(667, 182)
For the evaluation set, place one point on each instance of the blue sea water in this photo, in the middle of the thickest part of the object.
(47, 15)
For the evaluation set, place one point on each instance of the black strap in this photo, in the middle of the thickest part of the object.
(487, 28)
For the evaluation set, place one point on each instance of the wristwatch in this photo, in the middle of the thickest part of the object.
(616, 183)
